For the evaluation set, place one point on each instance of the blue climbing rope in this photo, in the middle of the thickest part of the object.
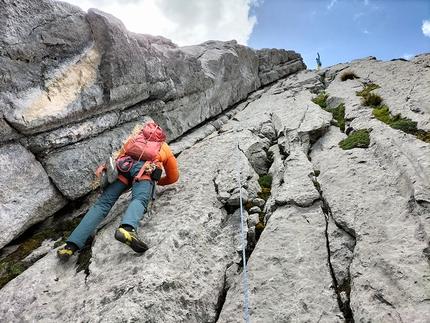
(245, 282)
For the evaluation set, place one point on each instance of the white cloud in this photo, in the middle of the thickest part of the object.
(426, 28)
(358, 15)
(185, 22)
(407, 56)
(331, 4)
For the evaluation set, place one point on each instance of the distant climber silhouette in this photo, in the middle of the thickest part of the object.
(318, 59)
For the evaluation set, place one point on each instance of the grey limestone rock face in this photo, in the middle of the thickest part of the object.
(346, 231)
(27, 195)
(45, 46)
(385, 212)
(345, 234)
(76, 85)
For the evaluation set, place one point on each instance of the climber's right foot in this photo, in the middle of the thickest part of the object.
(131, 239)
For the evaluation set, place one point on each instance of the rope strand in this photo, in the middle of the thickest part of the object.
(245, 282)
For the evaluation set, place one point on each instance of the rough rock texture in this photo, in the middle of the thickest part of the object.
(346, 236)
(27, 196)
(75, 84)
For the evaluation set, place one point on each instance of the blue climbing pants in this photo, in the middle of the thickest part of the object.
(140, 196)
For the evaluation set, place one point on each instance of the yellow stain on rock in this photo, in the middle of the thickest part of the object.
(65, 88)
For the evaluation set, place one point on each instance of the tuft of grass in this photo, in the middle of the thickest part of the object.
(383, 114)
(348, 75)
(372, 100)
(368, 88)
(321, 99)
(339, 116)
(358, 139)
(397, 122)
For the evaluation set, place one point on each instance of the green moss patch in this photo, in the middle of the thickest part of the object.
(265, 181)
(338, 116)
(321, 100)
(13, 264)
(359, 139)
(406, 125)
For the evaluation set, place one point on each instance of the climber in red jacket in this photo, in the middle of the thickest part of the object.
(132, 173)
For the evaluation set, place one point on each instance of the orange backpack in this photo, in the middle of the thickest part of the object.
(147, 143)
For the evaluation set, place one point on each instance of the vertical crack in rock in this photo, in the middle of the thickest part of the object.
(343, 288)
(260, 159)
(221, 298)
(303, 117)
(84, 259)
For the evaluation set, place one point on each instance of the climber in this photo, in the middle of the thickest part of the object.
(128, 172)
(318, 59)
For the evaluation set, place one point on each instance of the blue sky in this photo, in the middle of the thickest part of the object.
(340, 30)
